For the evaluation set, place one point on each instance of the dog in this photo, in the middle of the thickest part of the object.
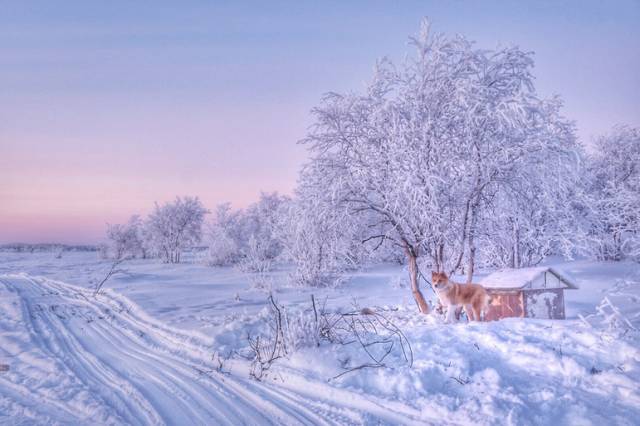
(473, 297)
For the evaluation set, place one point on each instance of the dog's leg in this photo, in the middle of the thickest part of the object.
(469, 312)
(459, 312)
(451, 313)
(477, 309)
(484, 308)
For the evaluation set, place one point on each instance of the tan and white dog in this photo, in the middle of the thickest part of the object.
(473, 297)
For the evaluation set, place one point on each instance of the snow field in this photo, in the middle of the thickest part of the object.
(148, 349)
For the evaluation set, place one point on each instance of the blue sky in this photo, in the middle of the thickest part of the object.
(106, 107)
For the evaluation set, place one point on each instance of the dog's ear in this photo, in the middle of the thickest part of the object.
(434, 274)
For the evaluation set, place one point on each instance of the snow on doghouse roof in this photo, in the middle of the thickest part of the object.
(521, 278)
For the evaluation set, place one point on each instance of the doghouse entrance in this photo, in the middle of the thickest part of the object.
(504, 304)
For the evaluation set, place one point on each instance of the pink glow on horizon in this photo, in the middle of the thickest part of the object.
(63, 189)
(80, 215)
(107, 107)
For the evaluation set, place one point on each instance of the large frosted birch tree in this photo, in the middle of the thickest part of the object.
(426, 148)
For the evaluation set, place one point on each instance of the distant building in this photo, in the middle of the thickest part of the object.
(527, 292)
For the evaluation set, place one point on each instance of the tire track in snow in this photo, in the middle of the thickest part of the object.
(143, 380)
(279, 404)
(109, 376)
(284, 409)
(55, 340)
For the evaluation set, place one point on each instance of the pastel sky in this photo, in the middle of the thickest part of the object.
(107, 107)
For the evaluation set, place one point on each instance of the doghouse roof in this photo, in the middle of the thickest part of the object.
(524, 278)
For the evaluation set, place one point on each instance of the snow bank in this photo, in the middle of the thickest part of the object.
(518, 371)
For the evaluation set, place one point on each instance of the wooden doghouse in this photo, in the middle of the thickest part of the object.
(527, 292)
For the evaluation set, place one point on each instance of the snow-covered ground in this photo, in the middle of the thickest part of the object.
(166, 344)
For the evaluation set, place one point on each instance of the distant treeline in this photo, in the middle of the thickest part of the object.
(45, 247)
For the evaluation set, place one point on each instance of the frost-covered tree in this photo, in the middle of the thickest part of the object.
(615, 190)
(522, 228)
(262, 244)
(246, 236)
(319, 241)
(423, 150)
(174, 226)
(125, 240)
(538, 210)
(224, 236)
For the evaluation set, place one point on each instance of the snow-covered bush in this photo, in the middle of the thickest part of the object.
(247, 237)
(262, 242)
(400, 280)
(318, 241)
(254, 258)
(174, 226)
(58, 251)
(224, 237)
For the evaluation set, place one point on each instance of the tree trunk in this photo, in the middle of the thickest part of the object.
(472, 243)
(415, 285)
(512, 256)
(517, 247)
(463, 238)
(617, 246)
(471, 265)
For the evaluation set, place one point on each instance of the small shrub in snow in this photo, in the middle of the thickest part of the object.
(608, 316)
(113, 269)
(255, 260)
(266, 349)
(372, 333)
(400, 280)
(103, 251)
(58, 251)
(261, 280)
(124, 240)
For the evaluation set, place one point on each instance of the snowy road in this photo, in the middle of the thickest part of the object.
(78, 359)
